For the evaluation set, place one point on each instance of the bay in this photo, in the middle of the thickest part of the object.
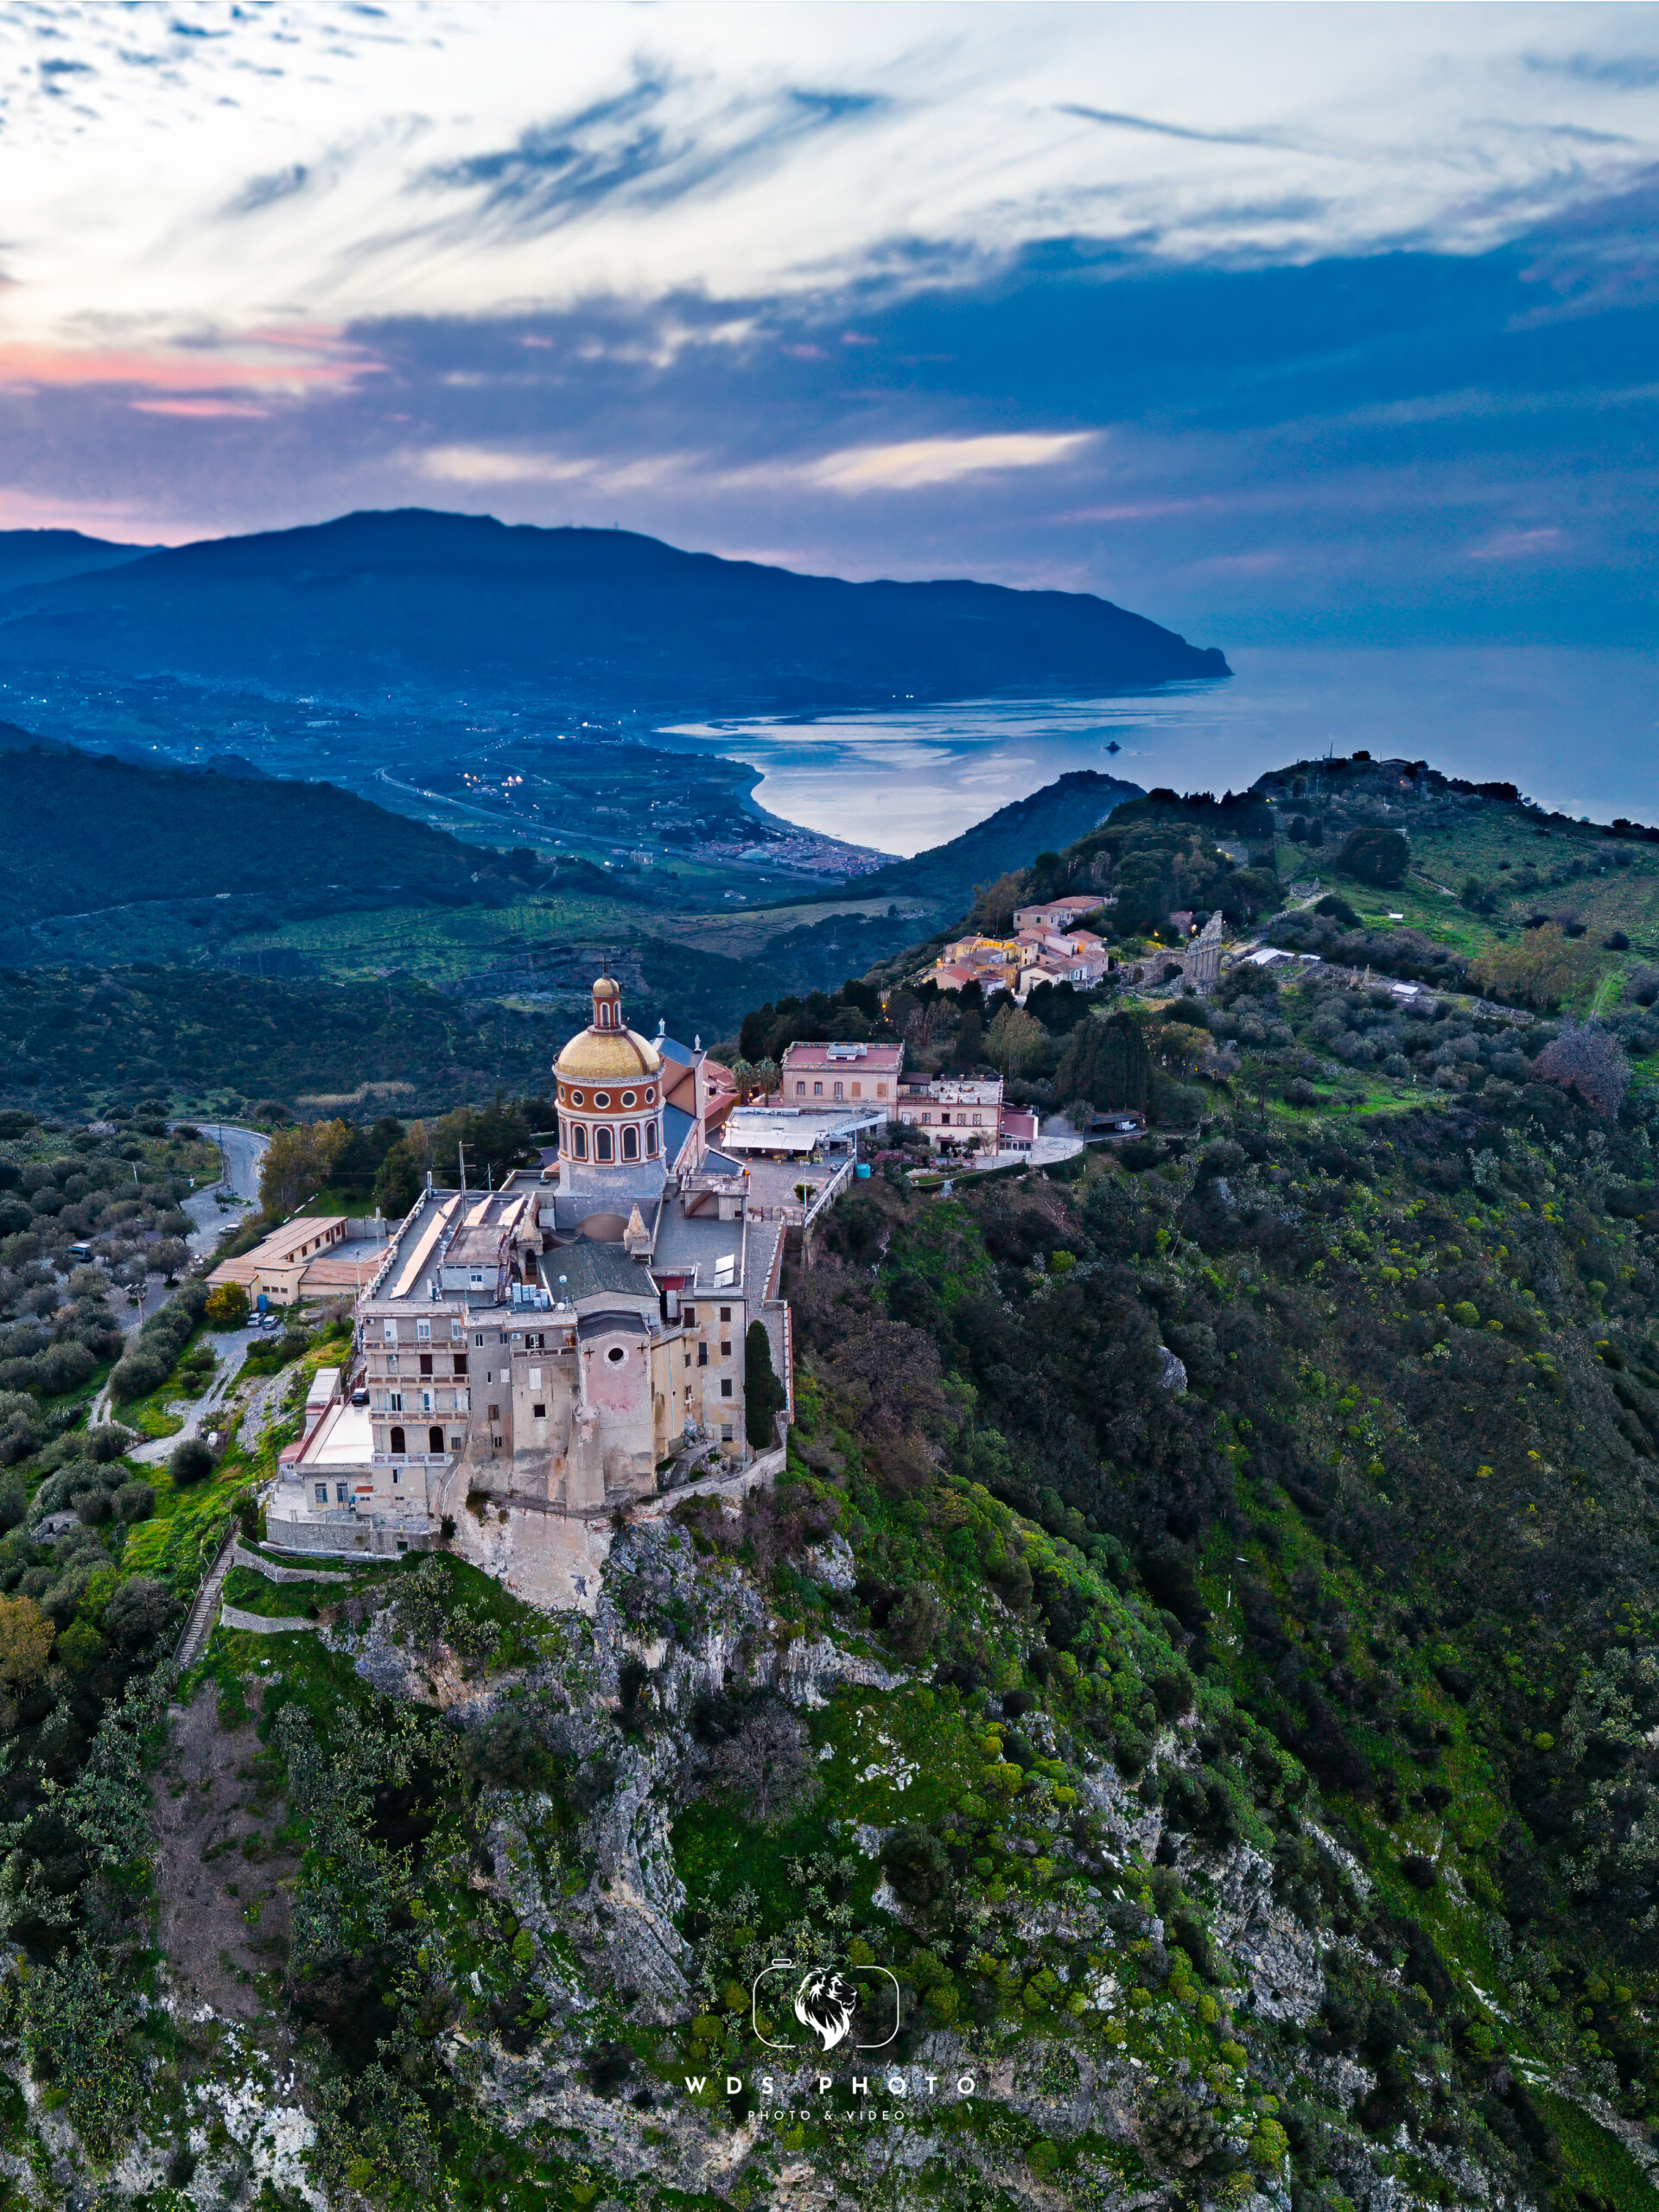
(1576, 729)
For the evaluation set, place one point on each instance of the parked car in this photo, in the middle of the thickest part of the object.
(360, 1397)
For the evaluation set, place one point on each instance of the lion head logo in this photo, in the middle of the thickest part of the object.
(825, 2002)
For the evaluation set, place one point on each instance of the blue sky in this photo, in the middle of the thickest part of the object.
(1276, 323)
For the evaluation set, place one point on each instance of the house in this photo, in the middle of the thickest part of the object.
(278, 1267)
(956, 1114)
(1062, 913)
(822, 1078)
(1019, 1129)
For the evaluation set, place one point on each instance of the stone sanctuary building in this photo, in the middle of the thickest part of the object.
(531, 1358)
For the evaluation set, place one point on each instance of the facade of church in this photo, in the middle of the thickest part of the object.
(532, 1358)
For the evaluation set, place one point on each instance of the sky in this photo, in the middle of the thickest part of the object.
(1279, 324)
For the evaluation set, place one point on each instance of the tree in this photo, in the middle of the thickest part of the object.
(1107, 1063)
(764, 1395)
(190, 1462)
(168, 1257)
(397, 1185)
(140, 1609)
(1544, 969)
(1585, 1061)
(1378, 856)
(496, 1138)
(1015, 1039)
(25, 1642)
(227, 1306)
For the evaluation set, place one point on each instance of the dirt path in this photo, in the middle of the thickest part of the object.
(222, 1917)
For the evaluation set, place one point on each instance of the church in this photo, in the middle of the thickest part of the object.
(530, 1359)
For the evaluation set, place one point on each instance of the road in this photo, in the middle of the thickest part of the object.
(243, 1153)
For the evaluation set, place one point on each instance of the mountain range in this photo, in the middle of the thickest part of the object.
(375, 605)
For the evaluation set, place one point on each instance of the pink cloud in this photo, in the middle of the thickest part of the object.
(205, 407)
(26, 366)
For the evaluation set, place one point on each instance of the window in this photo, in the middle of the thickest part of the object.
(726, 1433)
(322, 1493)
(818, 1091)
(395, 1475)
(495, 1412)
(725, 1386)
(880, 1090)
(629, 1099)
(725, 1313)
(690, 1316)
(426, 1363)
(424, 1332)
(601, 1098)
(426, 1401)
(461, 1362)
(630, 1142)
(434, 1440)
(457, 1332)
(391, 1363)
(725, 1347)
(800, 1091)
(390, 1328)
(977, 1119)
(394, 1403)
(539, 1412)
(455, 1443)
(479, 1338)
(858, 1090)
(535, 1378)
(616, 1354)
(579, 1141)
(342, 1493)
(575, 1098)
(602, 1147)
(702, 1355)
(650, 1139)
(650, 1095)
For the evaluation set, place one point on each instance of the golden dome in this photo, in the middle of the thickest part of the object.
(607, 987)
(607, 1056)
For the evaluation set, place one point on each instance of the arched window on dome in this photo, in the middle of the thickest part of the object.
(650, 1139)
(578, 1141)
(602, 1144)
(630, 1142)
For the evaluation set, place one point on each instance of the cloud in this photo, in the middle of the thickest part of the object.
(915, 463)
(203, 408)
(1517, 544)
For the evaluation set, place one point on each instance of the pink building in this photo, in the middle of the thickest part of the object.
(1061, 913)
(828, 1076)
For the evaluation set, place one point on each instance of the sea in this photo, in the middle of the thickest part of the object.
(1577, 730)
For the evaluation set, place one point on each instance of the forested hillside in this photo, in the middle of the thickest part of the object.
(87, 831)
(1191, 1694)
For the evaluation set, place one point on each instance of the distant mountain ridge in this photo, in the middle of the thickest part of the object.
(376, 603)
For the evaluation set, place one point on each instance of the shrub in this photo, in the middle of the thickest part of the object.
(915, 1863)
(135, 1501)
(13, 1504)
(190, 1462)
(1466, 1314)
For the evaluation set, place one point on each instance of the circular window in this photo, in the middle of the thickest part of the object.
(601, 1098)
(628, 1099)
(651, 1098)
(616, 1354)
(575, 1098)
